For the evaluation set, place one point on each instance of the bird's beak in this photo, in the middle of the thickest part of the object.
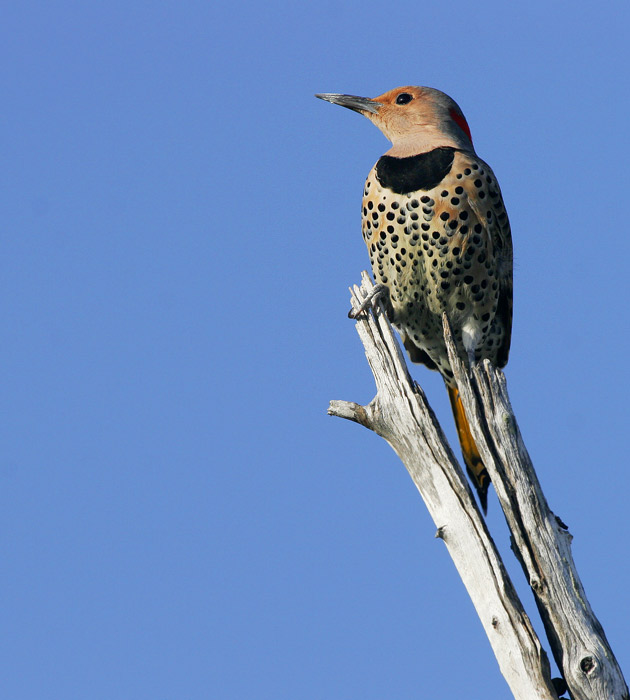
(358, 104)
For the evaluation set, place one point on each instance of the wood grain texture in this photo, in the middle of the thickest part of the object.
(401, 415)
(540, 540)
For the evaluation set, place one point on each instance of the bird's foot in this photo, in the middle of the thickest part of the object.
(377, 291)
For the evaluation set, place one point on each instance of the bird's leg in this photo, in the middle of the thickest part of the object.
(377, 291)
(471, 335)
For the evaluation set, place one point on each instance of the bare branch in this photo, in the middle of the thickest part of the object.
(540, 539)
(401, 415)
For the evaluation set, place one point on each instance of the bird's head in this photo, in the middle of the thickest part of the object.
(414, 119)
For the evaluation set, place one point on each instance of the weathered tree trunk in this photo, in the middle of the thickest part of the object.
(400, 414)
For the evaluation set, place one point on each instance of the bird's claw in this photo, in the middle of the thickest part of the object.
(377, 291)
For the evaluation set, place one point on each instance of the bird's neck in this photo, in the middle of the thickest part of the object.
(425, 141)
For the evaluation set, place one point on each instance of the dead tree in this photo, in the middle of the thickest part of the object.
(401, 415)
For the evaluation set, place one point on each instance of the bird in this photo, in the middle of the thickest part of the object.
(439, 240)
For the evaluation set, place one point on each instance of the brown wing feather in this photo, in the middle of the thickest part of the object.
(501, 238)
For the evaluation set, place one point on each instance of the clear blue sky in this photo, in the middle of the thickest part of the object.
(179, 518)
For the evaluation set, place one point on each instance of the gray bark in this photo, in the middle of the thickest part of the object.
(401, 415)
(540, 540)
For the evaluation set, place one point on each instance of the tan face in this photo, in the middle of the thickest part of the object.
(406, 111)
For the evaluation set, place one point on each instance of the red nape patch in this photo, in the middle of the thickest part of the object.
(461, 122)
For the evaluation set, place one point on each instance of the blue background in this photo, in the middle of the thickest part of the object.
(179, 518)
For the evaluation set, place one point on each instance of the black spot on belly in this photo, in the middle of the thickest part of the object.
(421, 172)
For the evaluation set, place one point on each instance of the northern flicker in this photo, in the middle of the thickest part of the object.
(439, 239)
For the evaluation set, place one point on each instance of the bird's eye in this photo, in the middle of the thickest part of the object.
(404, 98)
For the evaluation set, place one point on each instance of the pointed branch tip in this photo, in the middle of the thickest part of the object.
(349, 410)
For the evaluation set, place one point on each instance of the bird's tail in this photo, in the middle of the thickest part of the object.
(472, 458)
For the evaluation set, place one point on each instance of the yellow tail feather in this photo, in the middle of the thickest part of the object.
(472, 458)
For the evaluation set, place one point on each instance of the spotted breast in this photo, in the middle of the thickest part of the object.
(439, 239)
